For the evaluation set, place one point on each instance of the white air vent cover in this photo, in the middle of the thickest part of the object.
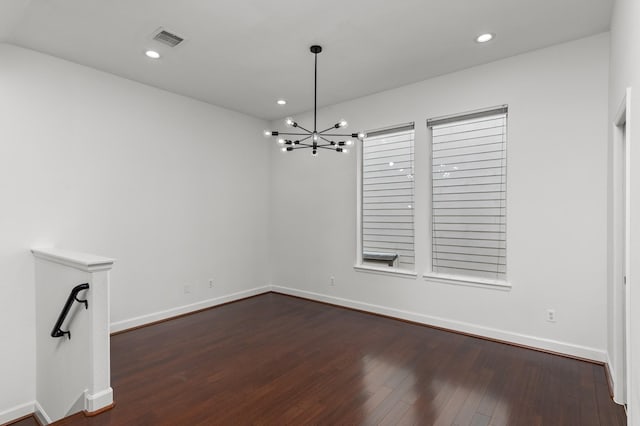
(167, 38)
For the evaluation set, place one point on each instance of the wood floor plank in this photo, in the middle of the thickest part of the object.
(273, 360)
(606, 417)
(479, 420)
(397, 412)
(27, 421)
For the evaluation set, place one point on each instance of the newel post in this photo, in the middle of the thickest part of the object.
(73, 373)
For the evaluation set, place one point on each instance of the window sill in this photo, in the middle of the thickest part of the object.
(469, 282)
(385, 271)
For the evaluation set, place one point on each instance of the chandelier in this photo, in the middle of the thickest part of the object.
(314, 139)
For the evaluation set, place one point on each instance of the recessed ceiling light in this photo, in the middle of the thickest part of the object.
(152, 54)
(281, 102)
(483, 38)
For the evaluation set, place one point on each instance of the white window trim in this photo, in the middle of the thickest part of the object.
(359, 161)
(433, 277)
(402, 273)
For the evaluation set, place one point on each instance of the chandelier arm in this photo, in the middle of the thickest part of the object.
(330, 142)
(300, 127)
(326, 147)
(326, 130)
(334, 128)
(294, 134)
(302, 146)
(343, 135)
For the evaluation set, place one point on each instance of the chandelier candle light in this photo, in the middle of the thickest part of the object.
(324, 139)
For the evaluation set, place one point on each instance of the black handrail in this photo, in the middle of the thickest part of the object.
(73, 296)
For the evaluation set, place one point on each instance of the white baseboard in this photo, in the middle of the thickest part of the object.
(464, 327)
(94, 403)
(16, 412)
(98, 400)
(42, 415)
(611, 379)
(185, 309)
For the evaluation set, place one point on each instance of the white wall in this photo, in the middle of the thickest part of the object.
(624, 73)
(176, 190)
(556, 211)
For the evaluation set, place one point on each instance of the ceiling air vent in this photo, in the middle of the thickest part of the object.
(167, 38)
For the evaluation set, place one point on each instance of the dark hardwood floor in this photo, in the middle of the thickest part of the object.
(279, 360)
(29, 421)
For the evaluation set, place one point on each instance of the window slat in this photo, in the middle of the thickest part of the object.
(389, 218)
(373, 232)
(495, 154)
(389, 156)
(443, 166)
(468, 212)
(465, 126)
(408, 184)
(468, 189)
(468, 150)
(468, 181)
(469, 196)
(391, 225)
(469, 219)
(479, 227)
(387, 192)
(477, 251)
(388, 173)
(472, 266)
(478, 134)
(387, 212)
(386, 165)
(465, 204)
(468, 142)
(389, 248)
(373, 239)
(489, 171)
(389, 146)
(490, 244)
(388, 179)
(387, 205)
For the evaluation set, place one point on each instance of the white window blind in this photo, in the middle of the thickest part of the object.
(387, 197)
(469, 194)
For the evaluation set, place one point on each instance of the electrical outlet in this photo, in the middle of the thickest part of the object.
(332, 280)
(551, 315)
(187, 288)
(210, 282)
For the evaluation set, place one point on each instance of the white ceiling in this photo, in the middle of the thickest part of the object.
(244, 54)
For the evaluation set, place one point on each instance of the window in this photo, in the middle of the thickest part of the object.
(469, 195)
(387, 198)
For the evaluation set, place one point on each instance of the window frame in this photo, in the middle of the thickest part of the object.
(359, 265)
(454, 279)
